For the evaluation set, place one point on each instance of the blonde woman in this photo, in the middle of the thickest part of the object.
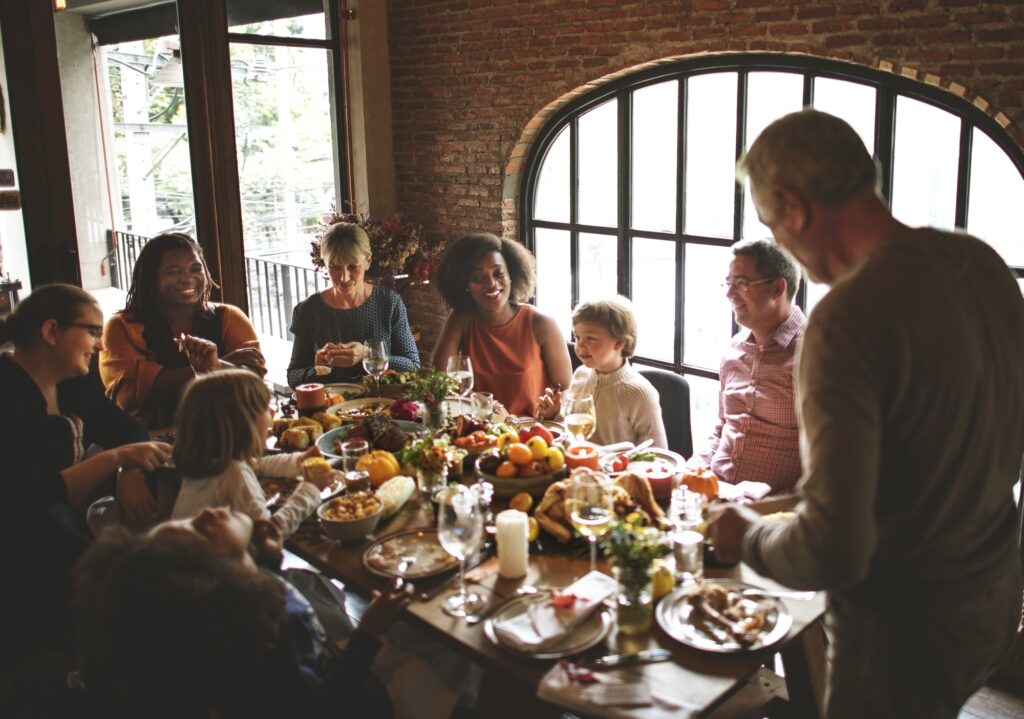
(222, 427)
(331, 326)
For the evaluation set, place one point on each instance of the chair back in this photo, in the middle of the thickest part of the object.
(674, 393)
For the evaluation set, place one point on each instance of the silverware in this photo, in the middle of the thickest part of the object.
(647, 656)
(485, 612)
(772, 594)
(640, 448)
(403, 567)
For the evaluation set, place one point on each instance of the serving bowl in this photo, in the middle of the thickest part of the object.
(348, 530)
(506, 487)
(326, 442)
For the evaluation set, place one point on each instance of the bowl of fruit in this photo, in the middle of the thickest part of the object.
(513, 466)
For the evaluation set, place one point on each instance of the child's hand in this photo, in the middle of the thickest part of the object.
(384, 609)
(267, 541)
(548, 404)
(313, 451)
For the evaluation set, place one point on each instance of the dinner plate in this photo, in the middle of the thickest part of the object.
(279, 490)
(659, 471)
(346, 390)
(454, 406)
(588, 633)
(355, 410)
(383, 556)
(676, 615)
(327, 441)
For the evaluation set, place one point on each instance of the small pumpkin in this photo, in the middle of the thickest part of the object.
(701, 480)
(380, 465)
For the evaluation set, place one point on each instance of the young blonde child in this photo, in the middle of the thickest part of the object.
(625, 402)
(222, 426)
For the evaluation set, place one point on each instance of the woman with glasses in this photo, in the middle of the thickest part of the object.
(169, 330)
(55, 416)
(516, 350)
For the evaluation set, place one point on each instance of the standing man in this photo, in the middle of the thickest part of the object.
(911, 397)
(756, 436)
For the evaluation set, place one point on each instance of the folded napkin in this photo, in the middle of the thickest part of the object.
(746, 490)
(614, 696)
(545, 624)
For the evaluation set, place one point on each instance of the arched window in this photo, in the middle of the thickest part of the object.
(631, 188)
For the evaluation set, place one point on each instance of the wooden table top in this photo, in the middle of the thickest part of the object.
(695, 679)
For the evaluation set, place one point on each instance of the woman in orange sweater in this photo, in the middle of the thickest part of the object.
(169, 330)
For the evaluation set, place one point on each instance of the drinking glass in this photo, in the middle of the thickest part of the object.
(590, 507)
(375, 360)
(580, 415)
(351, 452)
(461, 368)
(483, 405)
(460, 529)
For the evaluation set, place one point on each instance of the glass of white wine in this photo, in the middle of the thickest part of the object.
(460, 529)
(579, 415)
(461, 369)
(375, 360)
(590, 503)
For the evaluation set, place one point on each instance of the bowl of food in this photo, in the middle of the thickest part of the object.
(380, 433)
(519, 468)
(350, 517)
(392, 384)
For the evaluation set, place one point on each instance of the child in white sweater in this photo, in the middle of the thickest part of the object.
(222, 428)
(625, 402)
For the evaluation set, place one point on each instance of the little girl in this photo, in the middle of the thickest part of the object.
(222, 426)
(625, 402)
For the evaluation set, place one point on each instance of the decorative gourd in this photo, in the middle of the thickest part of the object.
(380, 465)
(701, 480)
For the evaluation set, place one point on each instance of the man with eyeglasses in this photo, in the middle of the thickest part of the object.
(756, 436)
(911, 400)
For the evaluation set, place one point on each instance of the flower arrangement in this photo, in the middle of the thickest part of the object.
(396, 243)
(632, 548)
(428, 454)
(430, 386)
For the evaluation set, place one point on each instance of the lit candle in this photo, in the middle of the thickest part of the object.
(513, 529)
(310, 398)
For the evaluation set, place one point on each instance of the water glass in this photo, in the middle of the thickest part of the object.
(357, 480)
(460, 529)
(352, 451)
(685, 508)
(483, 405)
(688, 550)
(460, 367)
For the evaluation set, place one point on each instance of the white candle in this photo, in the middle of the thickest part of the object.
(513, 529)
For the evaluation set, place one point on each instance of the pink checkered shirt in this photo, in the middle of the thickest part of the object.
(756, 437)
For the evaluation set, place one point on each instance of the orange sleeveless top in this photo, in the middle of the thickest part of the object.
(507, 361)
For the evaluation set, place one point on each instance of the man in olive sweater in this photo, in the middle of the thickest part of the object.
(910, 386)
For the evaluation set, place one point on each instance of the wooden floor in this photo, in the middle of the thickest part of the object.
(995, 703)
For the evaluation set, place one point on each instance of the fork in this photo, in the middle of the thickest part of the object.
(770, 593)
(404, 562)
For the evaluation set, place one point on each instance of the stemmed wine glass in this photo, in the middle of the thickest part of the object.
(375, 359)
(460, 529)
(461, 369)
(590, 503)
(580, 415)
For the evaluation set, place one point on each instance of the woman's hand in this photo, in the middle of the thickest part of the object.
(134, 499)
(201, 353)
(146, 456)
(384, 609)
(246, 357)
(346, 354)
(548, 404)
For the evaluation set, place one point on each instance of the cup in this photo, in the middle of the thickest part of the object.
(351, 451)
(357, 480)
(482, 404)
(688, 550)
(685, 509)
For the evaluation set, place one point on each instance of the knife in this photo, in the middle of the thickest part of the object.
(647, 656)
(640, 447)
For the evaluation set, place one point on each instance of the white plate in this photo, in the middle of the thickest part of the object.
(383, 556)
(667, 460)
(675, 614)
(351, 390)
(453, 407)
(344, 409)
(588, 633)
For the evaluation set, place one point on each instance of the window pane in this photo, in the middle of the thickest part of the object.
(703, 408)
(554, 285)
(707, 313)
(995, 210)
(654, 297)
(710, 183)
(815, 291)
(598, 267)
(552, 200)
(241, 20)
(655, 126)
(770, 95)
(598, 168)
(926, 152)
(850, 101)
(1020, 282)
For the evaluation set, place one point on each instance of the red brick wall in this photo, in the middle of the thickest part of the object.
(470, 78)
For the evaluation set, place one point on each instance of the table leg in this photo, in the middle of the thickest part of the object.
(805, 666)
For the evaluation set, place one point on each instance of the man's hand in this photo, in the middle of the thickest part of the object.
(133, 497)
(727, 528)
(384, 609)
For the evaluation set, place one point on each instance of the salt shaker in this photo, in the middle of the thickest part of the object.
(513, 530)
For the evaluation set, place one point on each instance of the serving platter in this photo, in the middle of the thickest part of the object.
(587, 634)
(328, 440)
(659, 471)
(383, 556)
(681, 620)
(355, 410)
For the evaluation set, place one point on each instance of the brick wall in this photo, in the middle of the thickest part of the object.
(471, 79)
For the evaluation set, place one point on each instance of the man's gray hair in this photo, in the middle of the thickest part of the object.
(818, 156)
(771, 261)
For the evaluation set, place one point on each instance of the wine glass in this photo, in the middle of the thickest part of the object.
(580, 415)
(461, 369)
(590, 507)
(460, 529)
(375, 359)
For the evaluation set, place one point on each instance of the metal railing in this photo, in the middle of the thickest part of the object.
(274, 288)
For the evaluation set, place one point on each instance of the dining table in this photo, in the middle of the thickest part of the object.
(696, 680)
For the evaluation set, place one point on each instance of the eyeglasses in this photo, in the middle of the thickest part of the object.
(96, 331)
(742, 285)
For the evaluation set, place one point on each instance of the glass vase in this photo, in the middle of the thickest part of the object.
(431, 481)
(634, 604)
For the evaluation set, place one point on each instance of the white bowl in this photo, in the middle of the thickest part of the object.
(349, 530)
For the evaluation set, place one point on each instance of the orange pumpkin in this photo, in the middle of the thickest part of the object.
(701, 480)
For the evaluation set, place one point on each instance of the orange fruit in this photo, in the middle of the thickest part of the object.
(520, 453)
(521, 502)
(533, 531)
(506, 469)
